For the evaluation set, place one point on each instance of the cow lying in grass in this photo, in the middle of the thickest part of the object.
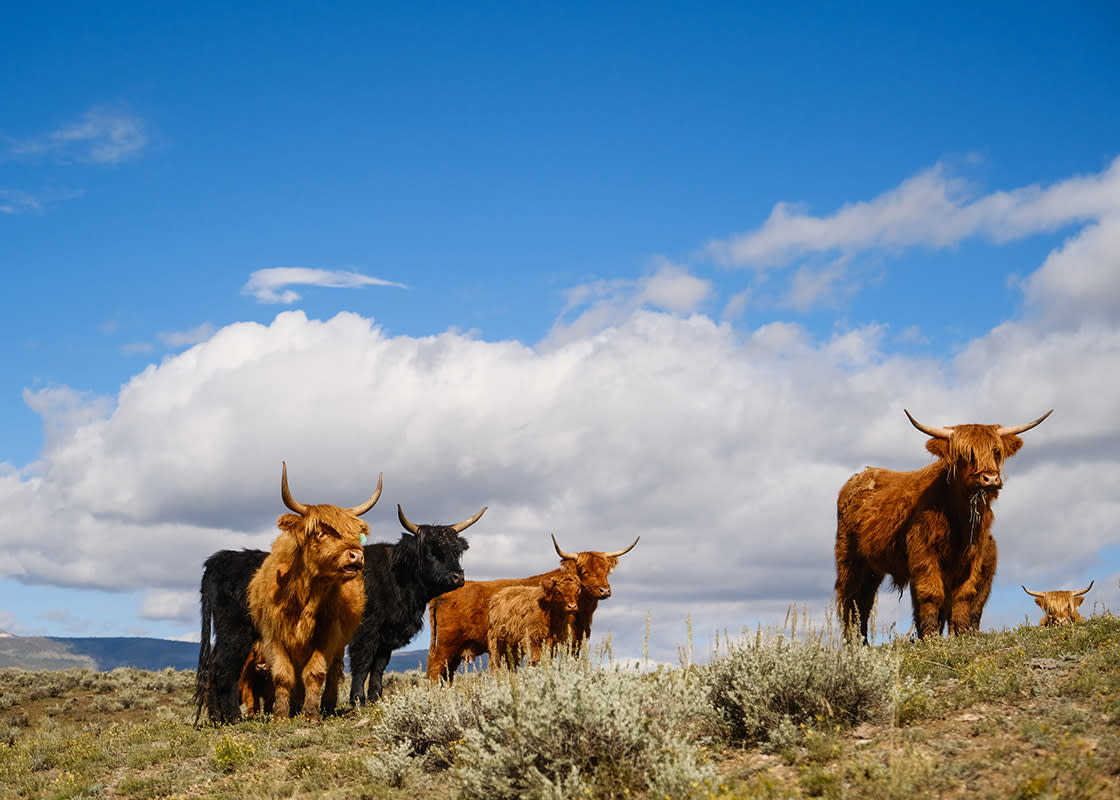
(533, 618)
(1059, 607)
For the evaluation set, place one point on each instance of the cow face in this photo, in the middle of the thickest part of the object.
(441, 551)
(329, 540)
(592, 568)
(1059, 607)
(975, 455)
(563, 592)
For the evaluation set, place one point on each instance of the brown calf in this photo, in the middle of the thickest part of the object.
(459, 619)
(535, 617)
(307, 599)
(255, 684)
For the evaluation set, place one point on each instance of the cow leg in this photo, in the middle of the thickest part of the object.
(927, 596)
(224, 696)
(313, 677)
(283, 682)
(377, 673)
(360, 660)
(442, 662)
(856, 586)
(330, 688)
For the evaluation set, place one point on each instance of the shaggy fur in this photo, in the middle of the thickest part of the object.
(532, 617)
(1059, 607)
(459, 619)
(225, 615)
(255, 685)
(400, 579)
(306, 602)
(929, 529)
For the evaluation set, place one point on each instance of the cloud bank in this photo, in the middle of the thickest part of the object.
(722, 447)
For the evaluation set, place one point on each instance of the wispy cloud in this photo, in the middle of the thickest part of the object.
(269, 285)
(100, 136)
(931, 209)
(187, 338)
(13, 201)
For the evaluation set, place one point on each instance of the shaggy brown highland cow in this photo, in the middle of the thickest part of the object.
(929, 529)
(459, 626)
(307, 599)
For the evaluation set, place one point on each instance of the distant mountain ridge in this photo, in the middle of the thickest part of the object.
(104, 653)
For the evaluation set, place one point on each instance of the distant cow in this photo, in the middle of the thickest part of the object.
(929, 528)
(255, 685)
(534, 617)
(306, 600)
(400, 580)
(459, 625)
(225, 615)
(1059, 607)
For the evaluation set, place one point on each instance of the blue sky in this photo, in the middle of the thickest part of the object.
(658, 269)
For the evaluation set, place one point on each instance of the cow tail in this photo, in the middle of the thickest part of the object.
(202, 675)
(432, 628)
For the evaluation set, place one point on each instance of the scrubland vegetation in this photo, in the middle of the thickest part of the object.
(1025, 713)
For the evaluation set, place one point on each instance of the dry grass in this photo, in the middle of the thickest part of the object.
(1025, 713)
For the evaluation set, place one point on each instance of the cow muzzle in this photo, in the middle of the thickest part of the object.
(353, 562)
(990, 480)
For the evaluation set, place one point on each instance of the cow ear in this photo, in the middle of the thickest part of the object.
(1078, 601)
(1038, 602)
(939, 447)
(1011, 445)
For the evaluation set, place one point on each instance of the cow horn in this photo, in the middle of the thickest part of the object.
(1020, 428)
(937, 433)
(357, 511)
(560, 552)
(1032, 594)
(1083, 591)
(459, 527)
(618, 553)
(408, 526)
(289, 501)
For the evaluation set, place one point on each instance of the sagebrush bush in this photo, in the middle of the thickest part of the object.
(426, 719)
(773, 683)
(570, 728)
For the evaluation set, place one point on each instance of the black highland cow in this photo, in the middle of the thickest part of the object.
(225, 613)
(400, 580)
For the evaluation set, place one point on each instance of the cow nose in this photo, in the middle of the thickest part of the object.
(459, 578)
(356, 557)
(991, 479)
(604, 591)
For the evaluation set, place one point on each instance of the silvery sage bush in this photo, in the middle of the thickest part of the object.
(771, 684)
(573, 728)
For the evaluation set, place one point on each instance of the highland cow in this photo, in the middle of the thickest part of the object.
(533, 618)
(1059, 607)
(929, 529)
(459, 619)
(307, 599)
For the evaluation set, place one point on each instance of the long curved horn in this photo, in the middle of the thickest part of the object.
(1020, 428)
(1032, 594)
(937, 433)
(289, 501)
(618, 553)
(459, 527)
(1083, 591)
(560, 552)
(408, 526)
(357, 511)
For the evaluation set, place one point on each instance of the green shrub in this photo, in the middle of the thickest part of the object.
(570, 728)
(774, 682)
